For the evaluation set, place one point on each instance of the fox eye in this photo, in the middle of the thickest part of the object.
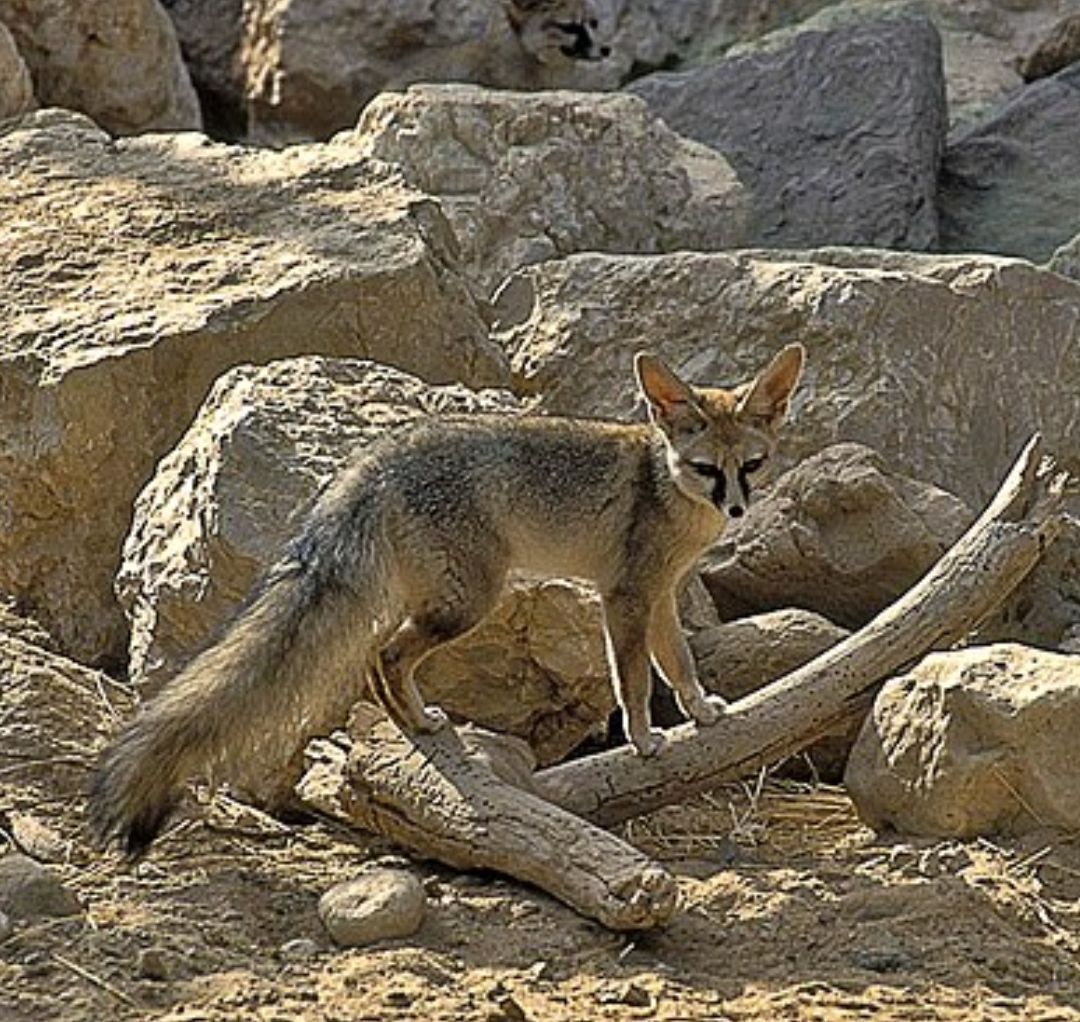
(752, 464)
(706, 468)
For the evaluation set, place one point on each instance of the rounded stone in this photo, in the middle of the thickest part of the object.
(378, 905)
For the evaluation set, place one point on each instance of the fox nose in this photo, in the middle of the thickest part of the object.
(736, 511)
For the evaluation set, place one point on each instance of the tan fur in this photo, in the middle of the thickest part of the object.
(410, 547)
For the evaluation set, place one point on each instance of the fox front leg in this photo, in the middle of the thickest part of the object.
(673, 659)
(626, 632)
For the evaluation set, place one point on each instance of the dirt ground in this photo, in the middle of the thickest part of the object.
(791, 910)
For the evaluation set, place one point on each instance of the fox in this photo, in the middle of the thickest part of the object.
(408, 548)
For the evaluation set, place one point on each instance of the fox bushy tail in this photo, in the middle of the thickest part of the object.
(288, 662)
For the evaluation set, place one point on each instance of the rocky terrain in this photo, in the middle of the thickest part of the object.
(239, 240)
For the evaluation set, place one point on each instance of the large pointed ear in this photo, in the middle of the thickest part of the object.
(672, 404)
(768, 396)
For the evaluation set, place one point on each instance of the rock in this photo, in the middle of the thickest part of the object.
(739, 657)
(836, 132)
(223, 502)
(29, 891)
(135, 272)
(972, 742)
(524, 177)
(1066, 259)
(839, 535)
(380, 905)
(7, 927)
(16, 88)
(299, 949)
(1044, 609)
(1008, 183)
(209, 33)
(55, 714)
(912, 355)
(1057, 50)
(152, 963)
(12, 622)
(119, 62)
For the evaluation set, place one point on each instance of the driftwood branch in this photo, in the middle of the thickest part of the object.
(460, 803)
(458, 798)
(966, 585)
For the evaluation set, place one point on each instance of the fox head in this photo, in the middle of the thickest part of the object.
(718, 442)
(559, 31)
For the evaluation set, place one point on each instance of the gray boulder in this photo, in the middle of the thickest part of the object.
(1009, 183)
(837, 131)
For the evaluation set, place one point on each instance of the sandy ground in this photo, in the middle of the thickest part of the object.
(791, 910)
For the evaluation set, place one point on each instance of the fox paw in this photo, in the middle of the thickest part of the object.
(433, 719)
(650, 743)
(709, 711)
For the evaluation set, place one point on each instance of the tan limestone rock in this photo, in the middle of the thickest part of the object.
(915, 356)
(134, 272)
(117, 62)
(526, 177)
(972, 742)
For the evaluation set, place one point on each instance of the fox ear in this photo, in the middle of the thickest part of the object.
(768, 396)
(671, 402)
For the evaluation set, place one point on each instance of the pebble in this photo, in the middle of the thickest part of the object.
(378, 905)
(29, 891)
(301, 947)
(152, 963)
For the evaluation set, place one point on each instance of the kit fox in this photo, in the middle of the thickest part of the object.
(409, 547)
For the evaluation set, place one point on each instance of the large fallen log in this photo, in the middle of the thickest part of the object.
(459, 798)
(441, 800)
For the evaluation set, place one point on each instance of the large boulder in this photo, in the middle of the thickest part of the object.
(224, 501)
(118, 62)
(1009, 183)
(837, 131)
(311, 67)
(16, 87)
(972, 742)
(913, 355)
(525, 177)
(839, 534)
(134, 272)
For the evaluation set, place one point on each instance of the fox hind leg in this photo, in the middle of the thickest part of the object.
(393, 672)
